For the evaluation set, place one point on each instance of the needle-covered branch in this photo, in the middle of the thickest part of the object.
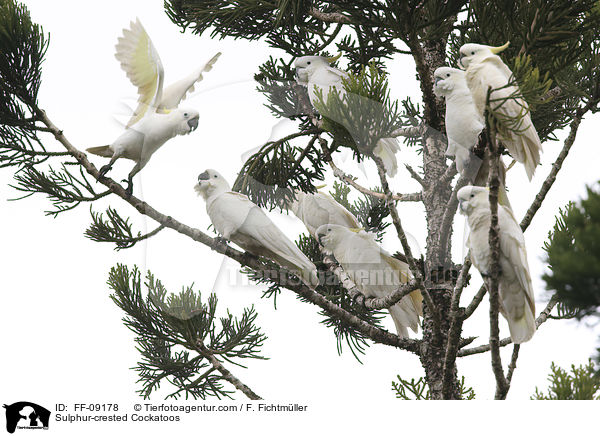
(171, 328)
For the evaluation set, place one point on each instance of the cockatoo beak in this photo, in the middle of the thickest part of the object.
(203, 176)
(500, 49)
(436, 80)
(332, 59)
(460, 63)
(193, 123)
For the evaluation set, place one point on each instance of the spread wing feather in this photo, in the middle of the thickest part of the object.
(141, 62)
(178, 91)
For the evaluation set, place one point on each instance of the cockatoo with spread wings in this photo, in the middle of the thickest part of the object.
(316, 72)
(320, 208)
(239, 220)
(485, 69)
(157, 118)
(375, 272)
(517, 302)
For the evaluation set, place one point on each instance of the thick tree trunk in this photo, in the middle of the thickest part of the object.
(438, 263)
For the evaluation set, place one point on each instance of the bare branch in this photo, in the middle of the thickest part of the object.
(513, 363)
(543, 316)
(475, 302)
(415, 175)
(349, 180)
(227, 375)
(494, 272)
(449, 214)
(329, 17)
(454, 331)
(556, 166)
(412, 264)
(408, 132)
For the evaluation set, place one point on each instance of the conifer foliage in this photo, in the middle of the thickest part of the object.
(555, 56)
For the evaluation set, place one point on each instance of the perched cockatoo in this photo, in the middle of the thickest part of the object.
(315, 72)
(485, 69)
(239, 220)
(375, 272)
(463, 122)
(157, 118)
(517, 302)
(317, 209)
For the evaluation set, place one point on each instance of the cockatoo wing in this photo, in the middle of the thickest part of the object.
(365, 262)
(512, 246)
(229, 211)
(178, 91)
(413, 305)
(386, 149)
(336, 211)
(141, 62)
(259, 227)
(522, 142)
(237, 218)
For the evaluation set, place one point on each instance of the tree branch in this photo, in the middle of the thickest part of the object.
(408, 132)
(477, 299)
(494, 272)
(412, 264)
(358, 297)
(455, 329)
(227, 375)
(329, 17)
(449, 214)
(375, 334)
(556, 166)
(349, 180)
(416, 175)
(543, 316)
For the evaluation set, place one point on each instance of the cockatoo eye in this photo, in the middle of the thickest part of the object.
(447, 74)
(215, 176)
(186, 115)
(472, 53)
(472, 195)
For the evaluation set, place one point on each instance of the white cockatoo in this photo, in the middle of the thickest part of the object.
(517, 302)
(239, 220)
(320, 208)
(375, 272)
(157, 118)
(463, 121)
(484, 70)
(316, 72)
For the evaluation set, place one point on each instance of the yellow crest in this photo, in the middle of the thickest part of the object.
(332, 59)
(497, 50)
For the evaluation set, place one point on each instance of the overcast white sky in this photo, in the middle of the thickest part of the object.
(64, 340)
